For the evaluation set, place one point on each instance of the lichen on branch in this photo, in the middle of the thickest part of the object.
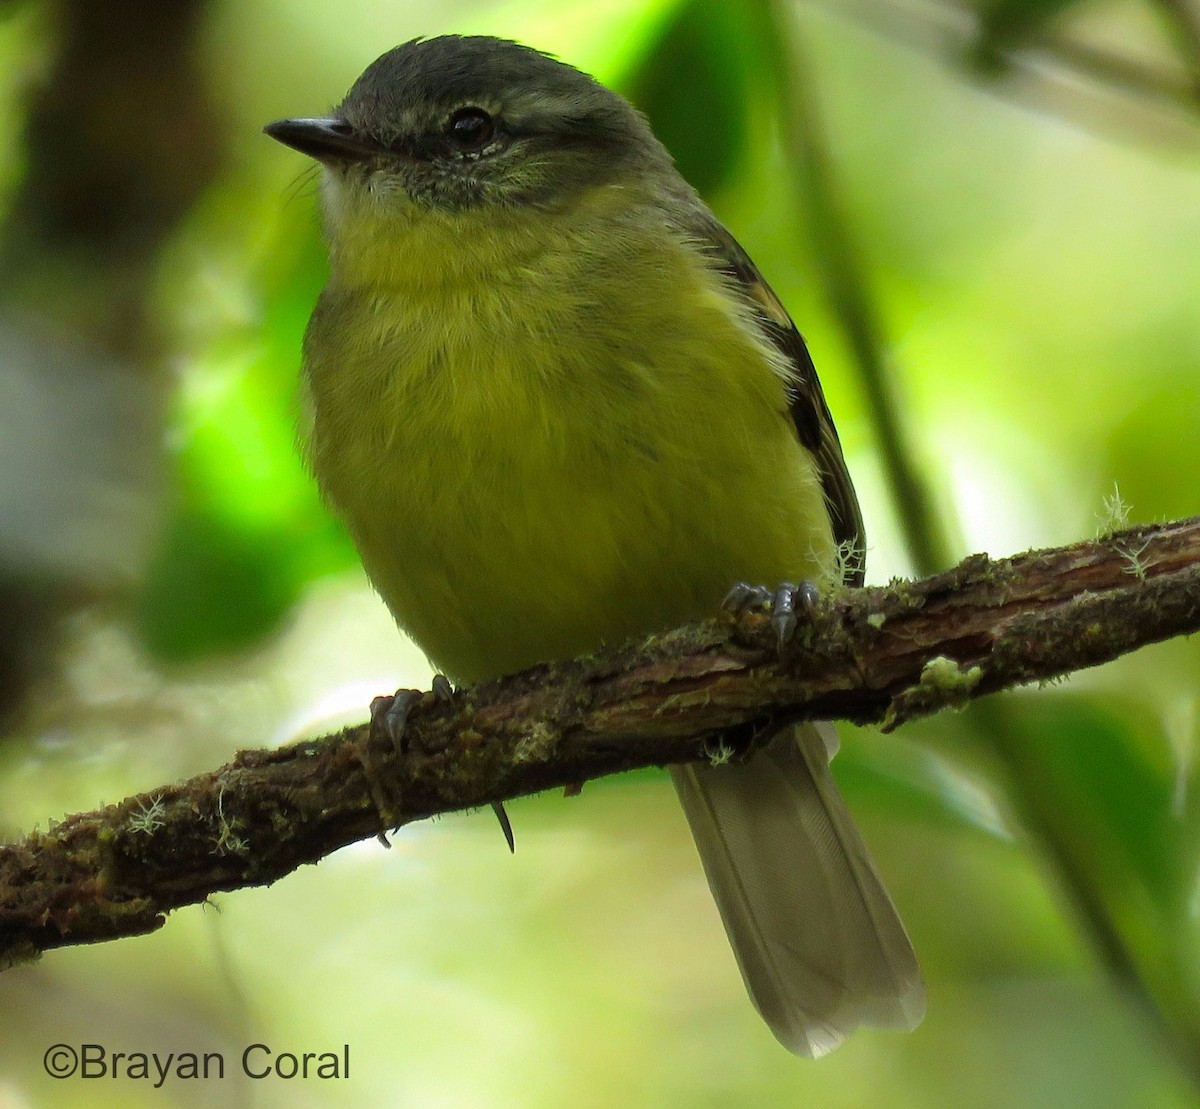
(882, 654)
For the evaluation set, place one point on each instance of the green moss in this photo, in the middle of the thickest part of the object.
(946, 677)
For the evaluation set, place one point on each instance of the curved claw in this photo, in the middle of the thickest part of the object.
(809, 595)
(783, 613)
(743, 597)
(505, 825)
(789, 603)
(389, 716)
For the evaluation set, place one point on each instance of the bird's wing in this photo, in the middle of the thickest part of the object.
(809, 412)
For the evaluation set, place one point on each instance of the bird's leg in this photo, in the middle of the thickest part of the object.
(389, 719)
(389, 716)
(786, 601)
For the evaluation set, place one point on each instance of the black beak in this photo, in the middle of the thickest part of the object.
(327, 140)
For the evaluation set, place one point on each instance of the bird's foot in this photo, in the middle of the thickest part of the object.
(787, 602)
(389, 718)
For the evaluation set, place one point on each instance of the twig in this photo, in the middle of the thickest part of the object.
(1113, 93)
(1183, 23)
(882, 654)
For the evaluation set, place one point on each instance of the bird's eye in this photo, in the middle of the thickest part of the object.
(470, 129)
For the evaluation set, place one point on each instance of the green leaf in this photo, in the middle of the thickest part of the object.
(1006, 25)
(1100, 774)
(696, 87)
(246, 531)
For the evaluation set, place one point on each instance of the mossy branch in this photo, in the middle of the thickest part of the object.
(877, 655)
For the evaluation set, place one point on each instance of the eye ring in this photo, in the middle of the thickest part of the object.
(470, 129)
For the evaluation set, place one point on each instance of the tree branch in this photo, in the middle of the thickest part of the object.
(877, 655)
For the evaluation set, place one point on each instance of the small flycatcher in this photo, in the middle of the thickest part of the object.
(557, 406)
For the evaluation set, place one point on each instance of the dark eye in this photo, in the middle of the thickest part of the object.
(470, 129)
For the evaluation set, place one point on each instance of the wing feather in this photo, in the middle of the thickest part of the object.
(808, 409)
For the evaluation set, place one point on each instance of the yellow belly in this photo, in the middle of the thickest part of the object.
(523, 491)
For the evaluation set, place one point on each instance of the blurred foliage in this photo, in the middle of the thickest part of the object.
(697, 88)
(1005, 24)
(1029, 280)
(245, 533)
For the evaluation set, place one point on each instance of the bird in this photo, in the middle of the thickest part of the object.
(557, 406)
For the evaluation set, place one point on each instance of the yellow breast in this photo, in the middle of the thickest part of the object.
(552, 449)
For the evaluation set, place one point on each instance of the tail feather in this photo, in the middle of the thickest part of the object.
(817, 939)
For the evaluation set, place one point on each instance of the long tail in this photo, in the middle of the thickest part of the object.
(816, 937)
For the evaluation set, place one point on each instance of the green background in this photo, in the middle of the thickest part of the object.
(986, 221)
